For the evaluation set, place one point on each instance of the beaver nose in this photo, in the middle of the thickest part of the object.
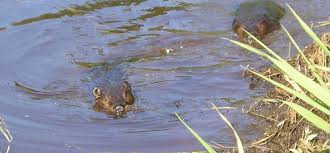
(119, 109)
(250, 40)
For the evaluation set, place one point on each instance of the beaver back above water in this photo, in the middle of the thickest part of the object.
(257, 17)
(114, 100)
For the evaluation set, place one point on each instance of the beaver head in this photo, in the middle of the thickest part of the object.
(114, 101)
(258, 27)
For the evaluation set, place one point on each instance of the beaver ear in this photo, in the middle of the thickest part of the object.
(239, 30)
(97, 91)
(127, 86)
(235, 25)
(127, 94)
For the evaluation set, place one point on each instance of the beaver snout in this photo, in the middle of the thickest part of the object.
(119, 110)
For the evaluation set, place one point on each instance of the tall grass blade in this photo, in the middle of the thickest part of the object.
(254, 50)
(307, 83)
(200, 139)
(308, 115)
(320, 67)
(238, 140)
(309, 31)
(300, 95)
(264, 46)
(319, 79)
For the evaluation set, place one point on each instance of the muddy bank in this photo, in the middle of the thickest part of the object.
(283, 128)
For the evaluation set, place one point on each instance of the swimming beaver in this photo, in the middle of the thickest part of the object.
(115, 101)
(257, 17)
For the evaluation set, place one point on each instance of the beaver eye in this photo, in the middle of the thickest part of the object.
(96, 91)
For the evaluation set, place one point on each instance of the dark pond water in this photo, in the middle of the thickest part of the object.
(65, 48)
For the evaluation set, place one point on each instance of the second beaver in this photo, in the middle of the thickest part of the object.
(258, 18)
(114, 101)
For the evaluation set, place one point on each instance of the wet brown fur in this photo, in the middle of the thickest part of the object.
(106, 100)
(258, 18)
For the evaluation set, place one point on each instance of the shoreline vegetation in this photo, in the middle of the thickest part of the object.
(296, 112)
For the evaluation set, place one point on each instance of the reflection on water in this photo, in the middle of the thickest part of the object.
(171, 52)
(79, 10)
(36, 94)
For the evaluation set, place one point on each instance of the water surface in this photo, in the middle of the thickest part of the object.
(65, 48)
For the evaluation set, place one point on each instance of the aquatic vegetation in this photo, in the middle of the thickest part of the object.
(317, 89)
(314, 92)
(312, 88)
(202, 141)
